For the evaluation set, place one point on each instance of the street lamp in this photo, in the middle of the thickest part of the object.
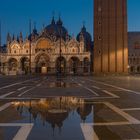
(60, 51)
(30, 47)
(59, 72)
(0, 49)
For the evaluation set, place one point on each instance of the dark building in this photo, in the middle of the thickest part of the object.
(110, 36)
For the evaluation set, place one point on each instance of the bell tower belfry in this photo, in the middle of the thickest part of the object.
(110, 36)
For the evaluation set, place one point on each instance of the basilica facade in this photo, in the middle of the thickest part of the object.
(49, 51)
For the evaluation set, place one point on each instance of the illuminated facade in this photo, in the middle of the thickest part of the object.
(134, 52)
(110, 36)
(51, 50)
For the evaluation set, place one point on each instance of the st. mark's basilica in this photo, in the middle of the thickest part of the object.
(49, 51)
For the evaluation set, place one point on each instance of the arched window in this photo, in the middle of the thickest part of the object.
(60, 65)
(12, 63)
(74, 64)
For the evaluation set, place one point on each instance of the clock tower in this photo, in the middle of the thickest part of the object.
(110, 36)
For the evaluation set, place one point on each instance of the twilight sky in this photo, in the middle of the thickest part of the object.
(15, 15)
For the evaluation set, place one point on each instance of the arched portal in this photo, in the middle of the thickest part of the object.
(12, 64)
(60, 65)
(74, 64)
(25, 64)
(86, 65)
(42, 63)
(138, 69)
(132, 69)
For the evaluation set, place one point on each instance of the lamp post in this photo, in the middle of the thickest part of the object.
(0, 49)
(60, 51)
(30, 47)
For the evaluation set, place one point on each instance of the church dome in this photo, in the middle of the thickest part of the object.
(86, 36)
(56, 29)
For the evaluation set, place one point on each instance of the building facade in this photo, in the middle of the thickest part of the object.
(134, 52)
(50, 51)
(110, 36)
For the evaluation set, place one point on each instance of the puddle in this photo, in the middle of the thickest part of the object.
(58, 118)
(51, 107)
(7, 133)
(55, 118)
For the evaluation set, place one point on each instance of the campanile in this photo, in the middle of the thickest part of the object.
(110, 36)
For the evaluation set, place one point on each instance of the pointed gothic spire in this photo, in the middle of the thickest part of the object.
(53, 20)
(59, 22)
(13, 37)
(20, 37)
(83, 28)
(35, 30)
(17, 38)
(8, 38)
(27, 36)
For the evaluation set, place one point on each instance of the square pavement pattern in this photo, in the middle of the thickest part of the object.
(70, 108)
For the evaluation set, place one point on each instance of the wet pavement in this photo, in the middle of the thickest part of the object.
(73, 108)
(52, 118)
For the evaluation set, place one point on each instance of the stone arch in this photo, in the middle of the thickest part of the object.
(24, 63)
(138, 69)
(74, 64)
(132, 69)
(12, 64)
(42, 62)
(60, 64)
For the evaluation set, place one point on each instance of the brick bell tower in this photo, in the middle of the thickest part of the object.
(110, 36)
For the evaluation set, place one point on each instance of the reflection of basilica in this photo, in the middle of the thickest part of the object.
(55, 110)
(45, 51)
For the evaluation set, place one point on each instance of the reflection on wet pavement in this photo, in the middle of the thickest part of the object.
(55, 118)
(51, 107)
(64, 118)
(8, 133)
